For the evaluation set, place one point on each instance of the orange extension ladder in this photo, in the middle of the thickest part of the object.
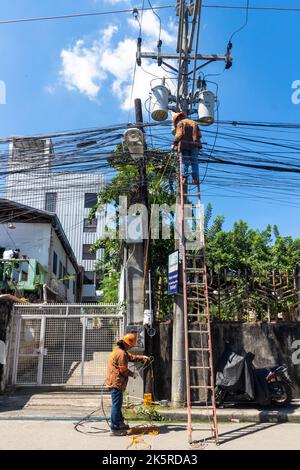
(198, 343)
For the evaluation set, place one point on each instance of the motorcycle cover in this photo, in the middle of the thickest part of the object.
(237, 375)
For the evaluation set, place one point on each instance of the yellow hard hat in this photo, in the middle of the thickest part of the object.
(130, 339)
(177, 116)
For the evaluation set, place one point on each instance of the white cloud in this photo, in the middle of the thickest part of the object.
(81, 68)
(87, 65)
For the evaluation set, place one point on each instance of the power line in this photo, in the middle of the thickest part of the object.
(158, 17)
(244, 24)
(79, 15)
(262, 8)
(114, 12)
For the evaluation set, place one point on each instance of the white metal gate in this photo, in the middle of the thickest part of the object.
(58, 344)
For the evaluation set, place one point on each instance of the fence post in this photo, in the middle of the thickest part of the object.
(83, 350)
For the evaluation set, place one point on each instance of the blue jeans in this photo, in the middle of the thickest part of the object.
(190, 158)
(116, 409)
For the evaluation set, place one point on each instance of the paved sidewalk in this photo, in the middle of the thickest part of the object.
(80, 404)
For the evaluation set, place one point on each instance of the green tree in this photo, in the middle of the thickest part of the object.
(161, 174)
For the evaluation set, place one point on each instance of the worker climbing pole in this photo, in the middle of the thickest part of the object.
(192, 366)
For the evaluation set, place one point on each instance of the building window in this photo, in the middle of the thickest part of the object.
(24, 276)
(50, 202)
(60, 275)
(88, 278)
(90, 225)
(73, 283)
(65, 277)
(55, 263)
(90, 200)
(67, 280)
(37, 269)
(86, 254)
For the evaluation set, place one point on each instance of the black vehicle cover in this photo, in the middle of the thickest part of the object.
(237, 375)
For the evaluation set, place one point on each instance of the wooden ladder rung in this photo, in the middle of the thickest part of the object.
(198, 331)
(200, 367)
(194, 270)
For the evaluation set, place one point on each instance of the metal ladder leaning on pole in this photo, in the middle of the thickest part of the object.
(196, 306)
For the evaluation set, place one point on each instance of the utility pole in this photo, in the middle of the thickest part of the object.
(189, 13)
(136, 251)
(143, 188)
(136, 262)
(178, 390)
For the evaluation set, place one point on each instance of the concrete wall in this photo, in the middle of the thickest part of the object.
(272, 344)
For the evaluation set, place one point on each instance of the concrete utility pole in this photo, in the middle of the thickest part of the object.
(136, 251)
(178, 390)
(189, 13)
(136, 261)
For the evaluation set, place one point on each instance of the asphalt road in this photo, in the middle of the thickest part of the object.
(55, 435)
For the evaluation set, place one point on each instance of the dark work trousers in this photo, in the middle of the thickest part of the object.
(190, 158)
(116, 409)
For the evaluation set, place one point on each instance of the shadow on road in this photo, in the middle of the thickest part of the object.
(244, 431)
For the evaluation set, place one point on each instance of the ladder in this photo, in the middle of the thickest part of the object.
(197, 324)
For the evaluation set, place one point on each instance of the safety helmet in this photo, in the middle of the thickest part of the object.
(176, 116)
(130, 339)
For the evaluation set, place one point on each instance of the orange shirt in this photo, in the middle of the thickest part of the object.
(117, 369)
(188, 135)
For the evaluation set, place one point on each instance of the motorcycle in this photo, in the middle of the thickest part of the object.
(238, 381)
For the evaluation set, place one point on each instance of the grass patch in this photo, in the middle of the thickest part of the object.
(141, 413)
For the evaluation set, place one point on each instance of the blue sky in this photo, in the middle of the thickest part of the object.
(74, 74)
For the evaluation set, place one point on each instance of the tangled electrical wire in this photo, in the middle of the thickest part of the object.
(257, 160)
(80, 426)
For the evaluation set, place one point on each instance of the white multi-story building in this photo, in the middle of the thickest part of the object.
(33, 181)
(46, 258)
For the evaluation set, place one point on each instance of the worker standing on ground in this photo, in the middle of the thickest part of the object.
(117, 377)
(188, 143)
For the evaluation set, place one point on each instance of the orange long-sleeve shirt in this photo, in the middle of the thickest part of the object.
(188, 135)
(117, 369)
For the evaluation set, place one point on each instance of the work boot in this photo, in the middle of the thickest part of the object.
(123, 426)
(195, 180)
(118, 432)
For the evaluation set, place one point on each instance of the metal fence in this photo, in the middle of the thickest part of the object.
(61, 344)
(249, 296)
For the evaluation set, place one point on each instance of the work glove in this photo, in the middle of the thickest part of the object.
(146, 359)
